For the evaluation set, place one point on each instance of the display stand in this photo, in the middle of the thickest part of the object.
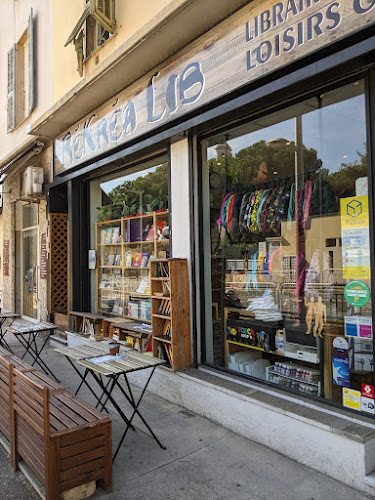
(170, 312)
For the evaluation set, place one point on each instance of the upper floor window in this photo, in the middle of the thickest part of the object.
(97, 21)
(20, 85)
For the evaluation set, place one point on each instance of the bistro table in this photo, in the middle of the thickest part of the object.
(3, 317)
(27, 335)
(97, 362)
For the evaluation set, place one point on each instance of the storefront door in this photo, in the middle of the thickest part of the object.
(29, 274)
(27, 259)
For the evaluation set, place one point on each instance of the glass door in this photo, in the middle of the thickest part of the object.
(29, 275)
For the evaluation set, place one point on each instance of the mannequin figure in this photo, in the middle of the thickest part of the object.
(320, 317)
(310, 313)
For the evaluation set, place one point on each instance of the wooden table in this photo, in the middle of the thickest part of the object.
(3, 317)
(27, 335)
(112, 368)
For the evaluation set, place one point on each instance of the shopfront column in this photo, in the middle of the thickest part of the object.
(180, 199)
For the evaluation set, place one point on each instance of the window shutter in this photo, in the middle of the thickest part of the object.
(11, 94)
(78, 26)
(103, 13)
(30, 66)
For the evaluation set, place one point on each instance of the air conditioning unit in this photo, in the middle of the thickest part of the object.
(32, 181)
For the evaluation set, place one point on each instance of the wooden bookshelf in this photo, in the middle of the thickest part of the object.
(124, 248)
(170, 312)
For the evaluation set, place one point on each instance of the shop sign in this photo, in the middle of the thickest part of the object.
(43, 257)
(351, 398)
(6, 257)
(355, 237)
(367, 398)
(356, 293)
(261, 37)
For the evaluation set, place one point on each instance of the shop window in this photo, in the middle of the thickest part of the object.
(98, 23)
(20, 85)
(289, 269)
(129, 227)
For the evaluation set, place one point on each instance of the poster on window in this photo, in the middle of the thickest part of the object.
(355, 237)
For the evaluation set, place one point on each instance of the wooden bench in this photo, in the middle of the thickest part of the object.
(63, 440)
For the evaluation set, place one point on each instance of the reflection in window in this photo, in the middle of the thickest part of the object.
(289, 237)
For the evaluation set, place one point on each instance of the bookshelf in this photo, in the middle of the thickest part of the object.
(124, 248)
(170, 312)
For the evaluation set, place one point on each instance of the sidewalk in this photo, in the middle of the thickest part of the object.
(202, 460)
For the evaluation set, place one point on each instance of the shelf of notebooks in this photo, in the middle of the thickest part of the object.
(125, 248)
(170, 312)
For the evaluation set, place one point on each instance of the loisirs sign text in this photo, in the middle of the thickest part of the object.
(258, 39)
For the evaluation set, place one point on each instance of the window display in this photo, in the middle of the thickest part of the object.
(131, 227)
(289, 267)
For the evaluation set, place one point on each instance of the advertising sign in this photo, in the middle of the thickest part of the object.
(355, 237)
(351, 398)
(340, 362)
(356, 293)
(358, 326)
(367, 398)
(6, 257)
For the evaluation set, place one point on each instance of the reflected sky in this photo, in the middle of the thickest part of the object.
(337, 132)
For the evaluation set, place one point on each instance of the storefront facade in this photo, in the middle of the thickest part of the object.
(250, 153)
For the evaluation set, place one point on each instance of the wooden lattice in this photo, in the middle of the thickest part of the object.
(59, 287)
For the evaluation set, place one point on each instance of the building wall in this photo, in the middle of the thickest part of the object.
(12, 193)
(13, 24)
(130, 17)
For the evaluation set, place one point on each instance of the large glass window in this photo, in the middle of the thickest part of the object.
(287, 258)
(129, 226)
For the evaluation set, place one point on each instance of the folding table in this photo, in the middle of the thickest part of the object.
(26, 336)
(100, 365)
(3, 317)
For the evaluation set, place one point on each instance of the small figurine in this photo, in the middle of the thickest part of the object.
(320, 317)
(310, 313)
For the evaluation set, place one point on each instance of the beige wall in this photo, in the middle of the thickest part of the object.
(13, 24)
(130, 17)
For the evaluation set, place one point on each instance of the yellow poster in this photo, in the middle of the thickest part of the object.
(355, 237)
(351, 398)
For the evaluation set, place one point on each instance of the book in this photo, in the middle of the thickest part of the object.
(128, 259)
(144, 259)
(150, 234)
(137, 259)
(146, 231)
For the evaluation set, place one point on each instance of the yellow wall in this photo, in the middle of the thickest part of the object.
(130, 17)
(13, 24)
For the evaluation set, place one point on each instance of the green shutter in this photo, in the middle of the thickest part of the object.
(78, 26)
(11, 91)
(30, 65)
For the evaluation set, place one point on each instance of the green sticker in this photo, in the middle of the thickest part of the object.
(356, 293)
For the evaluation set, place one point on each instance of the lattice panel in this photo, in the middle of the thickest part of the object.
(59, 285)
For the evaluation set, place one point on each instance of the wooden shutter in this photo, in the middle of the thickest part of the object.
(30, 65)
(11, 93)
(78, 26)
(103, 13)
